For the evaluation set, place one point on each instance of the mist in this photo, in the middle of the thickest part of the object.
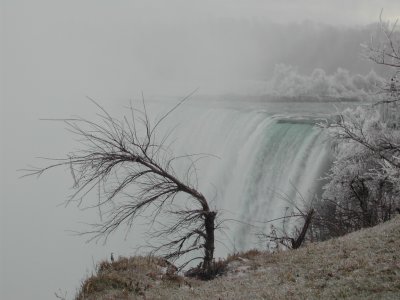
(55, 53)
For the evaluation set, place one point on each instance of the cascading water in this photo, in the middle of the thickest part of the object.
(264, 159)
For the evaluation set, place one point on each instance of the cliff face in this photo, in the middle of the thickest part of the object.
(360, 265)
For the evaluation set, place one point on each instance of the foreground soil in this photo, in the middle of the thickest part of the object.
(360, 265)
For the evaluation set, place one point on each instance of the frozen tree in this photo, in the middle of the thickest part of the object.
(384, 47)
(363, 187)
(364, 181)
(288, 82)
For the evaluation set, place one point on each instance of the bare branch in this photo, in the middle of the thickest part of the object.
(123, 158)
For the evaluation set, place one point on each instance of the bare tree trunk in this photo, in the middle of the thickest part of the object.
(209, 223)
(296, 243)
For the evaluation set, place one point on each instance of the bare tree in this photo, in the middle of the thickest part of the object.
(295, 223)
(294, 239)
(132, 171)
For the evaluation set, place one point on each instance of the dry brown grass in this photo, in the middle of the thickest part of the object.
(128, 278)
(251, 254)
(361, 265)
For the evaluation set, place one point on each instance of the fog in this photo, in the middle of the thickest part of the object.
(55, 53)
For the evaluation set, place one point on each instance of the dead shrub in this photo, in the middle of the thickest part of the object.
(216, 269)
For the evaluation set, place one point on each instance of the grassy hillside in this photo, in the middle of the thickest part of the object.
(360, 265)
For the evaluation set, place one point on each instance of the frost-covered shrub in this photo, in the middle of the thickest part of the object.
(364, 180)
(288, 82)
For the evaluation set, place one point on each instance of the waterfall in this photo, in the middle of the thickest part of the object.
(259, 161)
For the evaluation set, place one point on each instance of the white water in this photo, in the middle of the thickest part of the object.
(264, 160)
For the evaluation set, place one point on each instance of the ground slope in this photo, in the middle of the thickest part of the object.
(360, 265)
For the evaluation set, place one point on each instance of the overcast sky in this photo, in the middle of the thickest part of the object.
(347, 12)
(339, 12)
(343, 12)
(54, 53)
(139, 41)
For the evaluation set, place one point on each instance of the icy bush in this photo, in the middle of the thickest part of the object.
(364, 180)
(288, 82)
